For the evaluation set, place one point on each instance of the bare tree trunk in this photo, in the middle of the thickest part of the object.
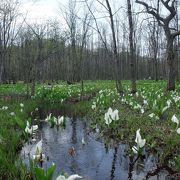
(165, 22)
(132, 53)
(1, 72)
(115, 53)
(33, 85)
(171, 64)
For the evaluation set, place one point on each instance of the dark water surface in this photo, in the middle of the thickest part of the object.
(94, 160)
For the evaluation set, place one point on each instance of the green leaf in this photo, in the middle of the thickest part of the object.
(40, 173)
(50, 172)
(19, 122)
(177, 161)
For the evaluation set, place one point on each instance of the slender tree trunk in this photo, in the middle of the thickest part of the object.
(33, 83)
(156, 68)
(132, 54)
(1, 72)
(115, 53)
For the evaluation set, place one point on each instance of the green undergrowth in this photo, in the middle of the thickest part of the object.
(13, 119)
(7, 89)
(60, 93)
(134, 112)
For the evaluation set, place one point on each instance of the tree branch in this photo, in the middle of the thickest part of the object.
(176, 34)
(152, 12)
(171, 10)
(98, 30)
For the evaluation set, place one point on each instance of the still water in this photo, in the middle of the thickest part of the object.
(94, 159)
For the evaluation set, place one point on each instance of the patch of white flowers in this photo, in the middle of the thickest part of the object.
(111, 115)
(30, 129)
(4, 108)
(60, 120)
(152, 115)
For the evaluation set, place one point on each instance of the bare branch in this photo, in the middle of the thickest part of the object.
(98, 30)
(176, 34)
(150, 10)
(102, 4)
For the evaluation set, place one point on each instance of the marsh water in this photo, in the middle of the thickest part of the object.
(96, 159)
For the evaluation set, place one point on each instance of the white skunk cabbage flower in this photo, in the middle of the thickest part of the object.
(38, 151)
(21, 105)
(178, 130)
(48, 117)
(115, 115)
(111, 115)
(4, 108)
(31, 129)
(140, 142)
(12, 113)
(60, 120)
(175, 119)
(72, 177)
(83, 141)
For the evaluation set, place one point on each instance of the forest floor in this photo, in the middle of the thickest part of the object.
(152, 110)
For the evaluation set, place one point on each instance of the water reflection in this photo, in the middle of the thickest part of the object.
(131, 165)
(74, 135)
(114, 163)
(94, 160)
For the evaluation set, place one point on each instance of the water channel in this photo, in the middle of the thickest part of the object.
(94, 160)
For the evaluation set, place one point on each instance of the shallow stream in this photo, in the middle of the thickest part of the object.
(94, 160)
